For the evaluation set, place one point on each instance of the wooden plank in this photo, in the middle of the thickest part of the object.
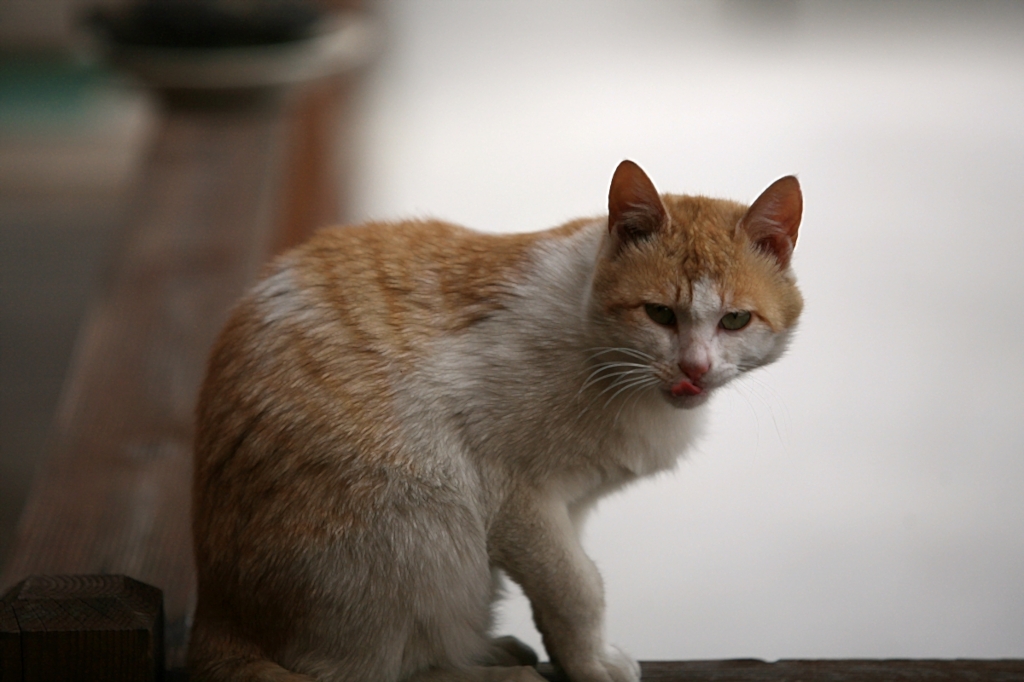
(753, 670)
(98, 627)
(112, 495)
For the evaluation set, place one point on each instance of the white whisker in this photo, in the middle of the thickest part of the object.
(635, 398)
(754, 385)
(631, 375)
(757, 421)
(634, 383)
(621, 375)
(758, 384)
(611, 370)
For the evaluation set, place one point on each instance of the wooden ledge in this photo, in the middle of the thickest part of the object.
(852, 670)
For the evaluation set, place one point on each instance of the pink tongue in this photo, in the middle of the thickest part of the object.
(684, 387)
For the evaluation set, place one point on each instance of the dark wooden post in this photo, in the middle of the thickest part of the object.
(94, 628)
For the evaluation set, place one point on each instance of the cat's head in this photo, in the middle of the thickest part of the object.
(693, 291)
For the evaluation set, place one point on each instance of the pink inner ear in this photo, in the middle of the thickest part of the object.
(634, 207)
(773, 220)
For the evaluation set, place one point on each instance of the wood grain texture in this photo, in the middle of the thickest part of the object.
(751, 670)
(112, 494)
(100, 627)
(827, 670)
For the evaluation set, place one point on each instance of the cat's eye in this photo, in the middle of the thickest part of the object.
(735, 320)
(661, 314)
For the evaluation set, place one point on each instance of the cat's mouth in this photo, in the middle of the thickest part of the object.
(684, 393)
(685, 387)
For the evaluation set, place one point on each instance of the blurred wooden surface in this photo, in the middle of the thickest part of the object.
(217, 198)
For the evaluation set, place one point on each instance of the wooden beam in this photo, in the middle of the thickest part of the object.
(827, 670)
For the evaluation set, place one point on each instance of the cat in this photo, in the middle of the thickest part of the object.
(399, 414)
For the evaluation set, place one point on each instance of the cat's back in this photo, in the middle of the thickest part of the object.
(335, 325)
(398, 284)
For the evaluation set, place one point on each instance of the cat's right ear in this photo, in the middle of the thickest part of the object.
(773, 220)
(635, 211)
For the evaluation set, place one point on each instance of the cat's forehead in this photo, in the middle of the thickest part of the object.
(701, 238)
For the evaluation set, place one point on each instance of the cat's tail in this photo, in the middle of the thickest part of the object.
(220, 657)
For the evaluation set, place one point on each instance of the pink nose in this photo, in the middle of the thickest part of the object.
(694, 371)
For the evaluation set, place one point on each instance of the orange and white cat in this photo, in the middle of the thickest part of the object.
(400, 413)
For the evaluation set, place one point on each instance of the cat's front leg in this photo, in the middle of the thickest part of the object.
(535, 542)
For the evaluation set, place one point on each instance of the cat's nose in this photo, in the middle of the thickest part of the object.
(694, 370)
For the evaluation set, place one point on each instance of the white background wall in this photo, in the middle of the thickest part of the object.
(863, 497)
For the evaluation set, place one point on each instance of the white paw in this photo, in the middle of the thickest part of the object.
(620, 666)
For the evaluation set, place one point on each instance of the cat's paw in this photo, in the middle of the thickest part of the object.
(621, 667)
(614, 665)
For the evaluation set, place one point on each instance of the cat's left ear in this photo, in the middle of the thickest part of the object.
(635, 211)
(773, 220)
